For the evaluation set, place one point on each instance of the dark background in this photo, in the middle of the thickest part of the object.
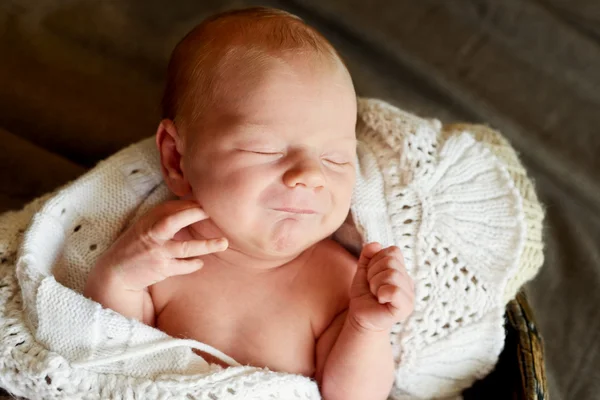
(80, 79)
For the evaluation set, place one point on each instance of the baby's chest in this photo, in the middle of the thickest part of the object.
(268, 328)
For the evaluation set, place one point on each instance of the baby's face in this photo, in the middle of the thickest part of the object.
(273, 161)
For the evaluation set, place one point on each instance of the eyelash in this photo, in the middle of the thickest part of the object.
(341, 164)
(274, 153)
(266, 153)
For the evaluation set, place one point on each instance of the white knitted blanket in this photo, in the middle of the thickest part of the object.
(455, 199)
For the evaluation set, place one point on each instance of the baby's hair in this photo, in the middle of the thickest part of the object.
(252, 35)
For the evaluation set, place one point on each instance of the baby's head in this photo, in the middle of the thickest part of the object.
(258, 127)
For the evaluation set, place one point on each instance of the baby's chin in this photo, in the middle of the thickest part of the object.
(288, 239)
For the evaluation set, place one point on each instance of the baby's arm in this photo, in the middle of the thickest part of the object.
(354, 355)
(106, 287)
(145, 254)
(357, 364)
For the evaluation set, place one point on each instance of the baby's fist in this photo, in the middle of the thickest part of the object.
(390, 283)
(382, 293)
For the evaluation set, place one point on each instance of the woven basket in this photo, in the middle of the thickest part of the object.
(520, 373)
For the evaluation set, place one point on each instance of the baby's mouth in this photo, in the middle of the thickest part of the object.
(295, 210)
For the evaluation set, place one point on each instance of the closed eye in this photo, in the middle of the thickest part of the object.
(266, 153)
(262, 152)
(336, 162)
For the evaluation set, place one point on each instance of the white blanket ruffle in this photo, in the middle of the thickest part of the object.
(458, 204)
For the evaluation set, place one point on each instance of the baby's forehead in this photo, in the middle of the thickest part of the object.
(216, 58)
(241, 61)
(297, 129)
(243, 79)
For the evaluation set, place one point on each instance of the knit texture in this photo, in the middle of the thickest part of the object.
(455, 199)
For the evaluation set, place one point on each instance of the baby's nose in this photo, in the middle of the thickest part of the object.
(305, 172)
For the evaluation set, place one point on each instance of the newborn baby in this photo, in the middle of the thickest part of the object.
(258, 144)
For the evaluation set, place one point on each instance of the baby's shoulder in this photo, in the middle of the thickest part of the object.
(331, 272)
(331, 258)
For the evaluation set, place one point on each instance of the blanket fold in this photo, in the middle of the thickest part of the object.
(455, 199)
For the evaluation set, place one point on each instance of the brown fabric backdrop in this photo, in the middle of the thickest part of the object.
(80, 79)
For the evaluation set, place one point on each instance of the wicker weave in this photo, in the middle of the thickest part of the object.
(520, 373)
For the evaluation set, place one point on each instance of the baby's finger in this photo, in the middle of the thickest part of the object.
(387, 277)
(166, 227)
(195, 248)
(392, 251)
(184, 267)
(404, 307)
(360, 285)
(399, 301)
(387, 262)
(368, 251)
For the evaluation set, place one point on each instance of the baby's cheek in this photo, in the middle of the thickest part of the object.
(343, 190)
(235, 197)
(341, 205)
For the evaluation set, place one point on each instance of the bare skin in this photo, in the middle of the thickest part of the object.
(269, 318)
(271, 173)
(335, 312)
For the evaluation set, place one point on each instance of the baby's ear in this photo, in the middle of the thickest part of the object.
(170, 147)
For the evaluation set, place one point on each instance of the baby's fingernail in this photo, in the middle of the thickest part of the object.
(221, 243)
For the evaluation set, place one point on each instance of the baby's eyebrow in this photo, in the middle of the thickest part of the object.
(250, 129)
(243, 127)
(342, 139)
(253, 133)
(245, 120)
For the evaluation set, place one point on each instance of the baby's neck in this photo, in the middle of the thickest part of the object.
(233, 263)
(242, 262)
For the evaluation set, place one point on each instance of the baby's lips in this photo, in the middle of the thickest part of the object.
(296, 210)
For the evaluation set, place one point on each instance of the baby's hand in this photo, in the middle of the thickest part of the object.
(148, 252)
(382, 293)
